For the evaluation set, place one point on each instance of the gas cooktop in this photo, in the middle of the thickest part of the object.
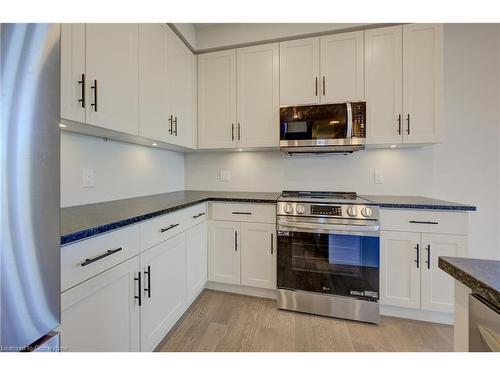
(321, 196)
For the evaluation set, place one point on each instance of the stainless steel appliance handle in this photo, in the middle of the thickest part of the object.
(349, 120)
(326, 228)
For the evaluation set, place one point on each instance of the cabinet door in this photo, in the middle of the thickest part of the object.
(258, 255)
(102, 313)
(299, 72)
(217, 99)
(154, 115)
(399, 271)
(112, 63)
(341, 67)
(224, 247)
(258, 96)
(384, 85)
(180, 63)
(73, 101)
(422, 82)
(165, 301)
(437, 286)
(196, 260)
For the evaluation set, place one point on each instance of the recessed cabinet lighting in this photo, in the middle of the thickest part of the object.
(62, 126)
(240, 149)
(154, 144)
(393, 146)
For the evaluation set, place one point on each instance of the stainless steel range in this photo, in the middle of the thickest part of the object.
(328, 254)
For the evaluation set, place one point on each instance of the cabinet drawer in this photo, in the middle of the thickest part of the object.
(85, 259)
(194, 215)
(424, 221)
(258, 213)
(157, 230)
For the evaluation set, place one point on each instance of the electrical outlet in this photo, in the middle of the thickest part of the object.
(88, 177)
(379, 177)
(224, 176)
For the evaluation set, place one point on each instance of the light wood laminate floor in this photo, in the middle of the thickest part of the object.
(220, 321)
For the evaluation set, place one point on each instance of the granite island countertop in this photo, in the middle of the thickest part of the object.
(79, 222)
(482, 276)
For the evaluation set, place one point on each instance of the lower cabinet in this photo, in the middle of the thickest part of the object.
(242, 253)
(196, 260)
(102, 314)
(163, 289)
(409, 272)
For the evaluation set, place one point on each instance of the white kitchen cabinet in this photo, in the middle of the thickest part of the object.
(258, 255)
(224, 252)
(163, 289)
(299, 72)
(217, 99)
(437, 286)
(181, 90)
(258, 96)
(102, 314)
(154, 116)
(111, 62)
(384, 85)
(342, 67)
(73, 100)
(196, 260)
(422, 82)
(399, 274)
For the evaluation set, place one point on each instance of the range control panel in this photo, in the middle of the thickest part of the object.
(326, 210)
(350, 211)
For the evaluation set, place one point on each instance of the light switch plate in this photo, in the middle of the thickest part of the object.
(379, 177)
(224, 176)
(88, 177)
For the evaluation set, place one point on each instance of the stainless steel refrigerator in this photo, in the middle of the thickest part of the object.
(30, 260)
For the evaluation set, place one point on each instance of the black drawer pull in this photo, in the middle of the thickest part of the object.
(197, 216)
(168, 228)
(423, 222)
(87, 261)
(241, 213)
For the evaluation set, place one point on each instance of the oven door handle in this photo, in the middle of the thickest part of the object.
(295, 226)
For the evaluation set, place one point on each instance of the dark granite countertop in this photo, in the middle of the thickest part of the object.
(79, 222)
(415, 202)
(482, 276)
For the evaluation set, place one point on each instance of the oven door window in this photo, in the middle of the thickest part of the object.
(339, 264)
(314, 122)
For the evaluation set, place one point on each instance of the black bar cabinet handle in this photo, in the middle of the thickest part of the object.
(428, 261)
(148, 289)
(408, 120)
(139, 288)
(239, 132)
(175, 122)
(399, 124)
(418, 255)
(316, 86)
(197, 216)
(272, 243)
(423, 222)
(87, 261)
(170, 124)
(94, 87)
(324, 85)
(232, 132)
(235, 240)
(162, 230)
(82, 82)
(241, 213)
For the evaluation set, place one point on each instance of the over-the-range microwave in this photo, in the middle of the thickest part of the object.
(326, 128)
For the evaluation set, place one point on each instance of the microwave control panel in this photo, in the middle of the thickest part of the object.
(359, 119)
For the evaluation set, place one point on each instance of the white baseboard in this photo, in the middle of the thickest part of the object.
(241, 289)
(427, 316)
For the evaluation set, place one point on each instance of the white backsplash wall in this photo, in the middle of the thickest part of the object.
(464, 168)
(120, 170)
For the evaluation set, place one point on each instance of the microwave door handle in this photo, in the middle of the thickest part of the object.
(349, 120)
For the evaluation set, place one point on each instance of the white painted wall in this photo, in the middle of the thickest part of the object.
(465, 168)
(121, 170)
(228, 34)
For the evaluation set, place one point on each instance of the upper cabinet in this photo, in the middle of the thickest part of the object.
(327, 69)
(238, 97)
(130, 78)
(403, 82)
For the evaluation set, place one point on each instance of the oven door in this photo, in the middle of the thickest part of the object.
(332, 259)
